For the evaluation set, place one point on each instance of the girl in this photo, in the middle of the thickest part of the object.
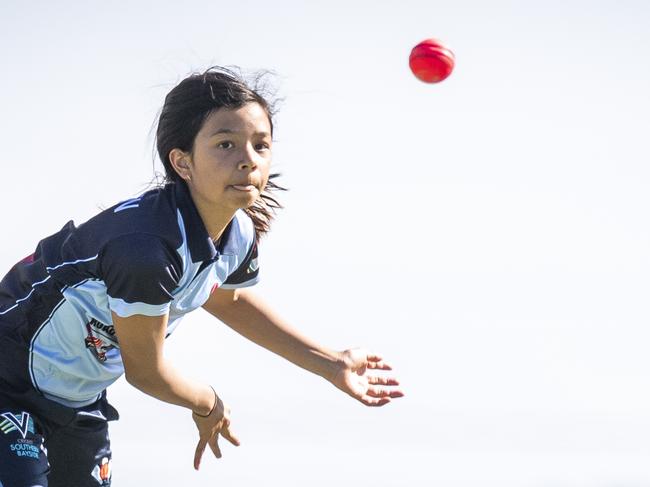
(96, 301)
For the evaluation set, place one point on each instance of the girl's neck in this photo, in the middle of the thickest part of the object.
(215, 219)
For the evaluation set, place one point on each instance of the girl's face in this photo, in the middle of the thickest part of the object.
(229, 164)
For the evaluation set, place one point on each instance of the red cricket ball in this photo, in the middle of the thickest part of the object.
(431, 61)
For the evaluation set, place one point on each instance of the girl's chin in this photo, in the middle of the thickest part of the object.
(244, 200)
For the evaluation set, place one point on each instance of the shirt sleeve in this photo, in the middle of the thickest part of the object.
(140, 272)
(247, 274)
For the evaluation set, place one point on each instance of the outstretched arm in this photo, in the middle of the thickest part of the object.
(352, 371)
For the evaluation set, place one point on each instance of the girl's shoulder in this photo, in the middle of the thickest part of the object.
(152, 213)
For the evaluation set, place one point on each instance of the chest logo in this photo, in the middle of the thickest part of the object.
(100, 338)
(11, 423)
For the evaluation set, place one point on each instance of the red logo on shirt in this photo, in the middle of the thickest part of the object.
(97, 345)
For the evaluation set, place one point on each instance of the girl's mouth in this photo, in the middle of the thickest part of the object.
(244, 187)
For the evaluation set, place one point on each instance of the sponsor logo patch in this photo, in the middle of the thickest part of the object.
(25, 449)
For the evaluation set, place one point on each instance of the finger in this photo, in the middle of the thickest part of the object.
(214, 445)
(374, 401)
(383, 392)
(384, 381)
(227, 434)
(377, 392)
(373, 357)
(377, 362)
(198, 453)
(381, 365)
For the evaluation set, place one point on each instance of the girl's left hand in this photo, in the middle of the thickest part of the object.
(210, 427)
(358, 378)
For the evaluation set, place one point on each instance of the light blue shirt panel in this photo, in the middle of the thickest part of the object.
(90, 298)
(63, 366)
(124, 309)
(250, 283)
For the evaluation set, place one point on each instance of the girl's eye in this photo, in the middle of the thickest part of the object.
(225, 145)
(262, 146)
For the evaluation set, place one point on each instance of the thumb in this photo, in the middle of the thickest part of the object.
(228, 435)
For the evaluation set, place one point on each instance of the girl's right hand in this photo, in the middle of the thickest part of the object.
(210, 427)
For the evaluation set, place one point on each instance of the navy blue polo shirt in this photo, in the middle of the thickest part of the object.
(149, 255)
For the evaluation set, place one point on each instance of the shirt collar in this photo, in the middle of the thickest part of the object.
(198, 240)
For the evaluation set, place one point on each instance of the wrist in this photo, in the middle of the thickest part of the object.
(204, 414)
(336, 363)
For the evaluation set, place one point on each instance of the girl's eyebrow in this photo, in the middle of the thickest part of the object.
(222, 131)
(230, 131)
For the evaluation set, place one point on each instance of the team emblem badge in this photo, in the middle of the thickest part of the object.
(11, 422)
(102, 472)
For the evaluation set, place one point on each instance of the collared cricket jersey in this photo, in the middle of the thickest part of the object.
(149, 255)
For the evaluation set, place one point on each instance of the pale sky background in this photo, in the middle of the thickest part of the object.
(489, 234)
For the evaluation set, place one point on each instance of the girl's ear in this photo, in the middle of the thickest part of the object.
(180, 161)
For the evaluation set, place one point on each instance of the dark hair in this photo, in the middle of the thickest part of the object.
(186, 108)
